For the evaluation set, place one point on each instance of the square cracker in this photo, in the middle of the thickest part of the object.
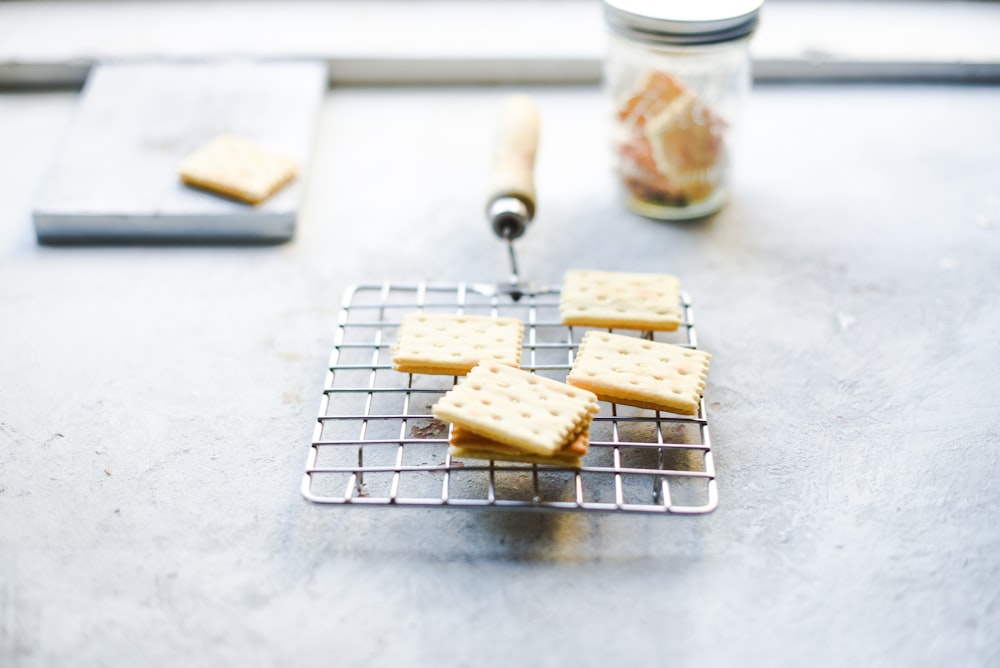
(236, 167)
(647, 302)
(636, 372)
(453, 344)
(530, 413)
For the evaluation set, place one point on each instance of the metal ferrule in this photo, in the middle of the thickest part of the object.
(509, 216)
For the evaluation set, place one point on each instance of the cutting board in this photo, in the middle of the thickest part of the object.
(115, 175)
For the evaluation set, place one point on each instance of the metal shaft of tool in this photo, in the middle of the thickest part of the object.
(510, 216)
(515, 275)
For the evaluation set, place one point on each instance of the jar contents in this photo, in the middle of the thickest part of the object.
(677, 74)
(670, 143)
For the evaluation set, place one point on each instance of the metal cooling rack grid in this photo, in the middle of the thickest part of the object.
(376, 442)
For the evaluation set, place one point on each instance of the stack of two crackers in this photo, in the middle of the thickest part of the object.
(499, 411)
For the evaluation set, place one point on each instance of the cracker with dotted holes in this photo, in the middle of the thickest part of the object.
(453, 344)
(516, 408)
(619, 300)
(238, 168)
(637, 372)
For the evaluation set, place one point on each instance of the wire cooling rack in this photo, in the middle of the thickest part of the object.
(376, 442)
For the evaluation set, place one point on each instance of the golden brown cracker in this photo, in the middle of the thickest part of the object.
(619, 300)
(237, 167)
(637, 372)
(452, 344)
(465, 444)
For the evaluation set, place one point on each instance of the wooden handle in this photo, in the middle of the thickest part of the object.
(516, 147)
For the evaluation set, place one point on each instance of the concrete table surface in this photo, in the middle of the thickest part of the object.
(157, 403)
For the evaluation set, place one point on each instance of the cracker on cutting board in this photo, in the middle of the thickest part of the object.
(236, 167)
(620, 300)
(529, 413)
(637, 372)
(437, 343)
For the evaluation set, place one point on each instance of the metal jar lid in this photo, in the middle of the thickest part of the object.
(683, 22)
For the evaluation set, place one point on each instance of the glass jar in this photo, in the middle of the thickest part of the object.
(677, 73)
